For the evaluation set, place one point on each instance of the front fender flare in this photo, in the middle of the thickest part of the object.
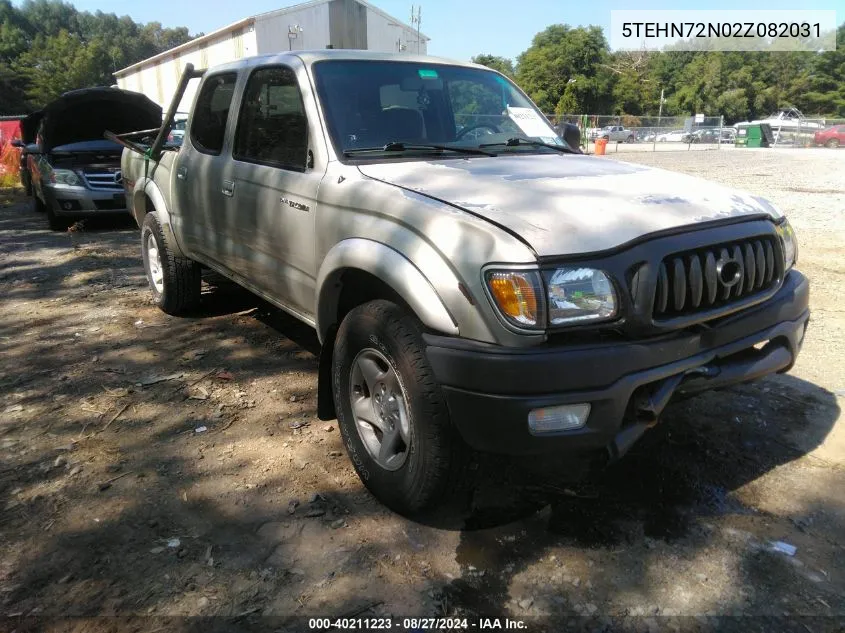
(392, 268)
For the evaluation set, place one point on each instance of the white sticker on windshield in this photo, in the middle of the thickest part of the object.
(531, 123)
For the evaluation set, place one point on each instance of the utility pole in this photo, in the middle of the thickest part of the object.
(659, 114)
(416, 20)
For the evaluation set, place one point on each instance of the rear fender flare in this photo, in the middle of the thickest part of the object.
(145, 189)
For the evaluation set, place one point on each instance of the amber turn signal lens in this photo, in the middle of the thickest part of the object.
(515, 295)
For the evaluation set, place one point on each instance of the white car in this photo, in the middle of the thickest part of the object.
(675, 136)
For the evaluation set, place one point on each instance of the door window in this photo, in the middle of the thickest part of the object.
(208, 127)
(272, 126)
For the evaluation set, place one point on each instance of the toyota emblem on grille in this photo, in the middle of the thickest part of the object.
(729, 271)
(118, 177)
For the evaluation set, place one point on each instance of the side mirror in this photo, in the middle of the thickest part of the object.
(572, 135)
(18, 143)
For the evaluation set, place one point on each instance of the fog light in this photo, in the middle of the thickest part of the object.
(553, 419)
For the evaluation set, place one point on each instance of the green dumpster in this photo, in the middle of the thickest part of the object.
(753, 136)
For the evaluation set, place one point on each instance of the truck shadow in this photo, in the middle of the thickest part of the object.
(687, 473)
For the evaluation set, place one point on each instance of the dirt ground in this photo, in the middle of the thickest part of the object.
(153, 466)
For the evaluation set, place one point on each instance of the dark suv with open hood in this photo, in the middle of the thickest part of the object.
(74, 171)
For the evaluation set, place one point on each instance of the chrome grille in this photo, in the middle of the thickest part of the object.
(104, 180)
(721, 275)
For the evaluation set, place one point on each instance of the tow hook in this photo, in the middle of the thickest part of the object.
(648, 407)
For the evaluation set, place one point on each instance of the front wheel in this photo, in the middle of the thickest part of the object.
(175, 281)
(55, 222)
(391, 411)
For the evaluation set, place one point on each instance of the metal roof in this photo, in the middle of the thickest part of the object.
(176, 49)
(249, 21)
(311, 57)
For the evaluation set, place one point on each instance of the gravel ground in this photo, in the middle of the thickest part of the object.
(153, 466)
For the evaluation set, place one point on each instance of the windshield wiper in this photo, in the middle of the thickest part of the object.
(409, 147)
(518, 141)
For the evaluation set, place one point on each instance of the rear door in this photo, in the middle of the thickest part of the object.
(199, 190)
(274, 186)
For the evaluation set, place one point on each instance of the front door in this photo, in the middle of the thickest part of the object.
(274, 185)
(200, 191)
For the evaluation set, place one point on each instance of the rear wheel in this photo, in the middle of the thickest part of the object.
(175, 281)
(832, 143)
(391, 410)
(632, 139)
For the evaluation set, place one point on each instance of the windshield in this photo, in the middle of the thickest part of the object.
(370, 104)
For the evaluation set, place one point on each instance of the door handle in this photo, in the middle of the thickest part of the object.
(182, 173)
(228, 188)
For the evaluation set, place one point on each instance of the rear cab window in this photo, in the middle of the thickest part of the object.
(208, 127)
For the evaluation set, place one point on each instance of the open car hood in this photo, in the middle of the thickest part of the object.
(29, 126)
(84, 115)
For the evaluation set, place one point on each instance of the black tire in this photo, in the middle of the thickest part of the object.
(632, 139)
(832, 143)
(55, 222)
(435, 452)
(181, 282)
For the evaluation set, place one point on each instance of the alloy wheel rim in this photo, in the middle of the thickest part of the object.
(379, 408)
(154, 264)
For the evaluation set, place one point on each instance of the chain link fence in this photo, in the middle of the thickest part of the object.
(628, 133)
(798, 132)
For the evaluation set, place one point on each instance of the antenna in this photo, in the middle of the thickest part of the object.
(416, 20)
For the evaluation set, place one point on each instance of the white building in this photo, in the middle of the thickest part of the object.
(319, 24)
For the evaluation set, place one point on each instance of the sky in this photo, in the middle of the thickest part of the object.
(458, 28)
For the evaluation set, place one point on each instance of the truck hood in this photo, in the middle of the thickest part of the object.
(570, 204)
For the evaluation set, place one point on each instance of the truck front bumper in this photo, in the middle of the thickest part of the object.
(490, 390)
(80, 201)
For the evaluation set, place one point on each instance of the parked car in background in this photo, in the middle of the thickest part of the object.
(500, 293)
(74, 171)
(704, 136)
(29, 127)
(617, 134)
(177, 132)
(675, 136)
(831, 137)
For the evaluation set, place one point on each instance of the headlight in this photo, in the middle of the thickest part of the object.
(65, 177)
(789, 243)
(519, 297)
(580, 294)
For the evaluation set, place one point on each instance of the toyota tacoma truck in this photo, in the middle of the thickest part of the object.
(493, 292)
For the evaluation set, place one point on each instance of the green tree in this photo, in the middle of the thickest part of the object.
(13, 98)
(561, 53)
(48, 47)
(501, 64)
(825, 93)
(733, 105)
